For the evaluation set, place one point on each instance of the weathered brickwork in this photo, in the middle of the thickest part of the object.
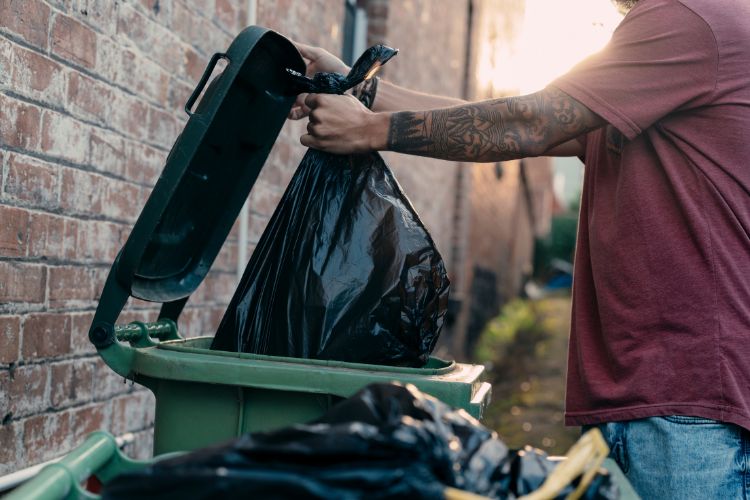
(91, 100)
(91, 97)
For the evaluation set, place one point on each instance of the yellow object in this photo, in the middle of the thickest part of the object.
(583, 460)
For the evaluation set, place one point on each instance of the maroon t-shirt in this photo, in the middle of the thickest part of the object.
(661, 294)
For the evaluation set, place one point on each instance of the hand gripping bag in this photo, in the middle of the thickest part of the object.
(345, 269)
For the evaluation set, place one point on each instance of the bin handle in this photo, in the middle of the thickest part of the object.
(202, 82)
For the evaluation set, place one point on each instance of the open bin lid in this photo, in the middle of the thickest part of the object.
(207, 177)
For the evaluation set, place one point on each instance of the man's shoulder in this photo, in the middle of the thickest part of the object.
(721, 15)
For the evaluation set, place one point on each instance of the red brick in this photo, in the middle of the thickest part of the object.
(10, 438)
(153, 39)
(107, 383)
(194, 65)
(132, 412)
(218, 287)
(32, 181)
(69, 283)
(88, 97)
(144, 163)
(87, 420)
(229, 15)
(73, 41)
(6, 60)
(14, 226)
(227, 258)
(107, 152)
(129, 116)
(47, 436)
(98, 241)
(100, 15)
(163, 127)
(179, 93)
(19, 124)
(71, 382)
(52, 237)
(79, 331)
(10, 334)
(122, 201)
(38, 76)
(45, 335)
(193, 29)
(22, 283)
(143, 77)
(28, 19)
(24, 390)
(264, 198)
(64, 137)
(82, 192)
(257, 225)
(108, 63)
(203, 6)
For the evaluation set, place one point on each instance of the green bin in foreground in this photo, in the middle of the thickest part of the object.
(205, 396)
(99, 457)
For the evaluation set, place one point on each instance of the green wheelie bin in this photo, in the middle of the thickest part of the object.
(81, 473)
(205, 396)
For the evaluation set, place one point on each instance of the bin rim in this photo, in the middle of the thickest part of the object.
(182, 345)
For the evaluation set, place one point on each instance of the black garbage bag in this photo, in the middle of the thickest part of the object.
(387, 441)
(345, 269)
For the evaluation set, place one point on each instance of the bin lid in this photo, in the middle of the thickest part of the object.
(210, 169)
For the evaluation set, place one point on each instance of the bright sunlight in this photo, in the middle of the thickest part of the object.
(555, 36)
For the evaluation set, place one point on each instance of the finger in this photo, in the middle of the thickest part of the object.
(314, 117)
(297, 113)
(300, 100)
(307, 51)
(312, 101)
(309, 141)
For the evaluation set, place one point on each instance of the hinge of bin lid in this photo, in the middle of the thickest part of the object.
(164, 329)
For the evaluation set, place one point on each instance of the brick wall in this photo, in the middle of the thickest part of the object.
(91, 94)
(91, 97)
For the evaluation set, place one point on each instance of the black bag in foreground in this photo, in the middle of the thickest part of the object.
(386, 441)
(345, 270)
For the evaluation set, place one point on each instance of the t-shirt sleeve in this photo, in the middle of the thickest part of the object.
(662, 58)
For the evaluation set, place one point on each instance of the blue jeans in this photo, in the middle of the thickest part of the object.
(681, 457)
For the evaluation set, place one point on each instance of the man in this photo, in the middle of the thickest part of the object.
(659, 353)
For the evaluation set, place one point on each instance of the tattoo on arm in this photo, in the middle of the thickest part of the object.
(495, 130)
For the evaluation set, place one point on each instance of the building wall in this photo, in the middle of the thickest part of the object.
(91, 98)
(497, 213)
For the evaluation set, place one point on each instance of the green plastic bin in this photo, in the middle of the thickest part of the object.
(205, 396)
(100, 457)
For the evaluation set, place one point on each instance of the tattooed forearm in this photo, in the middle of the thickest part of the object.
(495, 130)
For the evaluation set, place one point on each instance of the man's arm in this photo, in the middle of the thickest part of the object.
(391, 97)
(496, 130)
